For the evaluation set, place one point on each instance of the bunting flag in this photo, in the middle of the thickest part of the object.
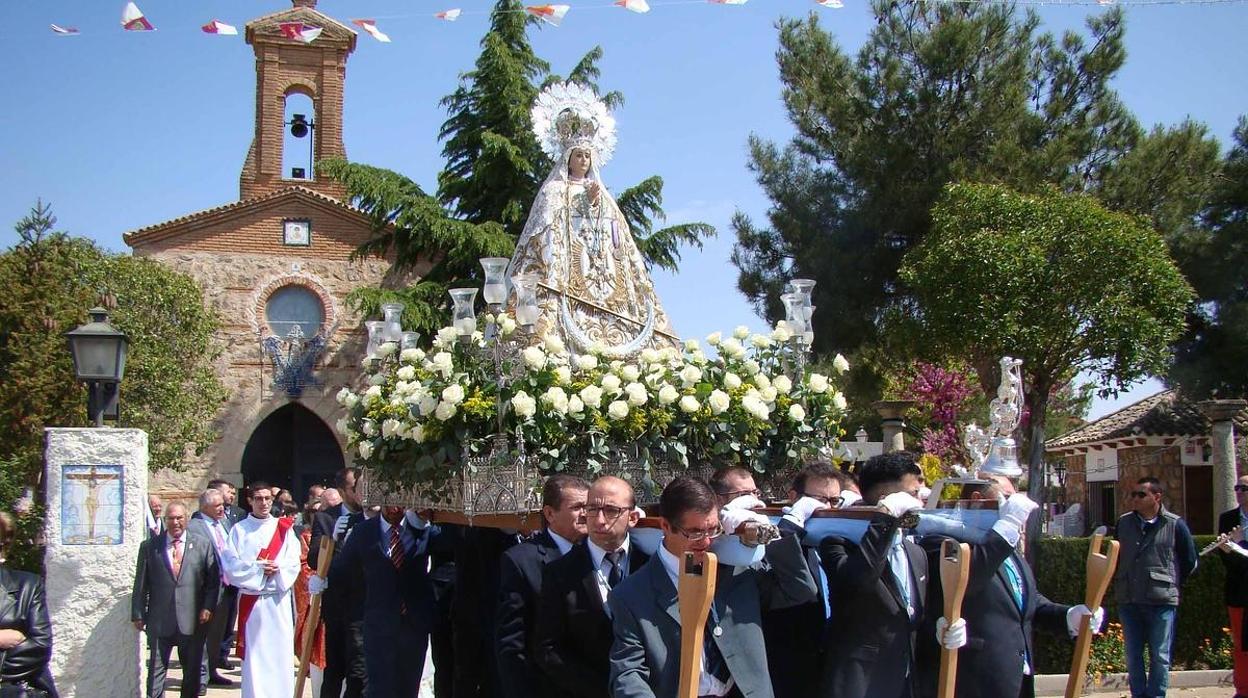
(370, 26)
(132, 19)
(63, 31)
(300, 31)
(834, 4)
(449, 15)
(551, 14)
(216, 26)
(638, 6)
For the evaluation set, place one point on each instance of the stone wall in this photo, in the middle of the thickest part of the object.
(1163, 463)
(1077, 481)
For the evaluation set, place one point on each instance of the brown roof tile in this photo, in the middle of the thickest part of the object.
(1166, 413)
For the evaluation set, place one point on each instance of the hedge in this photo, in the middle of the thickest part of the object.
(1060, 570)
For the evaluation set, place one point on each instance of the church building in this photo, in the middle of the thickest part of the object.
(275, 267)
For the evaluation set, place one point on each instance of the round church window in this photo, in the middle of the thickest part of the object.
(294, 306)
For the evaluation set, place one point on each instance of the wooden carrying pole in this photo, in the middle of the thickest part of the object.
(1100, 573)
(694, 593)
(955, 570)
(325, 556)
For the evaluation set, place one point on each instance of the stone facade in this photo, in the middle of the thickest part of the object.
(1150, 461)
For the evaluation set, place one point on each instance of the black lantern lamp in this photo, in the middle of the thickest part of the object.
(99, 352)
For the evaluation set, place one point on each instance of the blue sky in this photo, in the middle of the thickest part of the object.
(119, 130)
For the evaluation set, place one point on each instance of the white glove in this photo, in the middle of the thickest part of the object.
(1014, 513)
(901, 503)
(731, 519)
(849, 498)
(745, 501)
(802, 509)
(951, 637)
(1233, 547)
(1075, 614)
(641, 513)
(317, 584)
(340, 526)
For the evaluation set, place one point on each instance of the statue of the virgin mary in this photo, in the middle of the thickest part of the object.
(593, 286)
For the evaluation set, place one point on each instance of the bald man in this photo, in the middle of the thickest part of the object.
(573, 635)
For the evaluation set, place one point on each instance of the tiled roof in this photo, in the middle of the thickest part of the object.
(143, 234)
(1164, 414)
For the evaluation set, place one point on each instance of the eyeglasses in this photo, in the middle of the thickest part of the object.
(1241, 488)
(697, 535)
(611, 513)
(1141, 495)
(729, 496)
(833, 502)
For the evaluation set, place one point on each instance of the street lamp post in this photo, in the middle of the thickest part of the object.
(99, 352)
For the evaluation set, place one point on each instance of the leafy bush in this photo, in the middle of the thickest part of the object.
(1200, 637)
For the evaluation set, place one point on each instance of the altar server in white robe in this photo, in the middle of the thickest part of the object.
(263, 562)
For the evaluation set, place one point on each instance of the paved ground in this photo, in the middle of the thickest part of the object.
(175, 681)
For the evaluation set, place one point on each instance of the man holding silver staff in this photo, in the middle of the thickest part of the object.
(878, 590)
(1002, 603)
(1231, 527)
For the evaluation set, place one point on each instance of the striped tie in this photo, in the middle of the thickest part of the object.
(396, 559)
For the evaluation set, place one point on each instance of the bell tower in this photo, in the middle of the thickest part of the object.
(301, 56)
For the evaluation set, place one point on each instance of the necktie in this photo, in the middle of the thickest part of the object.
(716, 665)
(396, 559)
(177, 557)
(616, 573)
(1016, 582)
(901, 572)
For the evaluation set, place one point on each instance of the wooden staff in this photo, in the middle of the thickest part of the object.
(694, 593)
(1100, 572)
(955, 570)
(314, 614)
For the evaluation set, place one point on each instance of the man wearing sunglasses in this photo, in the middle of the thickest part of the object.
(1156, 556)
(645, 654)
(1234, 554)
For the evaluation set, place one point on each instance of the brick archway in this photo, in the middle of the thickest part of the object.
(260, 322)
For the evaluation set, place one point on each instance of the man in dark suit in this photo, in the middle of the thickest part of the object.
(234, 514)
(342, 605)
(1002, 604)
(176, 586)
(878, 590)
(211, 524)
(1234, 554)
(520, 583)
(393, 551)
(645, 653)
(572, 639)
(794, 635)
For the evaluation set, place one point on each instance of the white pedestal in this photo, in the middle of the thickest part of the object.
(97, 491)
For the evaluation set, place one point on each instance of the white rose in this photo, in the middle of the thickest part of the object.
(719, 401)
(698, 358)
(378, 379)
(556, 399)
(592, 396)
(453, 394)
(818, 383)
(427, 405)
(447, 336)
(390, 427)
(563, 375)
(669, 354)
(343, 395)
(714, 338)
(768, 394)
(797, 413)
(417, 433)
(411, 355)
(405, 373)
(554, 344)
(840, 364)
(741, 332)
(611, 383)
(369, 427)
(762, 381)
(668, 394)
(366, 449)
(692, 345)
(751, 367)
(756, 407)
(838, 401)
(352, 401)
(636, 393)
(630, 373)
(689, 404)
(373, 394)
(524, 405)
(587, 362)
(534, 358)
(655, 378)
(445, 411)
(508, 325)
(781, 334)
(443, 363)
(344, 426)
(617, 410)
(575, 405)
(649, 355)
(760, 341)
(782, 384)
(732, 381)
(387, 349)
(731, 348)
(690, 375)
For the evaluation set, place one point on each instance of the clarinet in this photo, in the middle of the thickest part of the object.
(1222, 539)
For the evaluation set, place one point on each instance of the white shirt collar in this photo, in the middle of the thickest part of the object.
(597, 554)
(562, 543)
(670, 563)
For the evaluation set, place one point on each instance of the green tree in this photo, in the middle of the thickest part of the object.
(939, 92)
(1053, 279)
(1211, 358)
(47, 282)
